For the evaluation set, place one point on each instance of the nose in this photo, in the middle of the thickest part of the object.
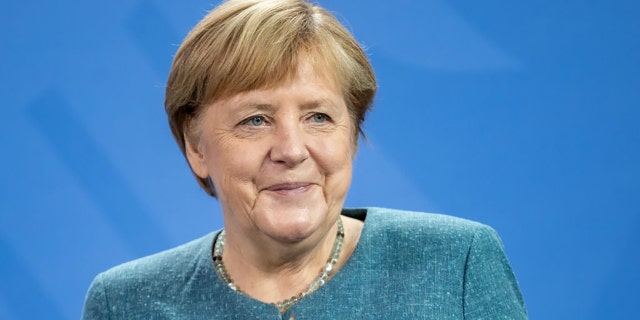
(288, 146)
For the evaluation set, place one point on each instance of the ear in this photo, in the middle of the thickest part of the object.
(195, 156)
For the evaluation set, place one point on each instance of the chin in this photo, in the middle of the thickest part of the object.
(291, 238)
(292, 225)
(290, 216)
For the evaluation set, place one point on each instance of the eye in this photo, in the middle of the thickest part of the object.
(254, 121)
(319, 117)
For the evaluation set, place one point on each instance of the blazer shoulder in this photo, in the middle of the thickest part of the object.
(432, 225)
(148, 270)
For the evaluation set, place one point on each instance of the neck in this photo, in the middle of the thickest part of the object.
(288, 274)
(270, 256)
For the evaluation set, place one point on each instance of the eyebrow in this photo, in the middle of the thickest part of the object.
(312, 105)
(259, 106)
(306, 106)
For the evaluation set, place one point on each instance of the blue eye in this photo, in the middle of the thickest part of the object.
(255, 121)
(319, 117)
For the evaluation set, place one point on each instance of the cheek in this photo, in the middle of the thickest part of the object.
(338, 181)
(233, 164)
(334, 157)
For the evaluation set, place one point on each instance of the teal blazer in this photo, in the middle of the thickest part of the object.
(406, 265)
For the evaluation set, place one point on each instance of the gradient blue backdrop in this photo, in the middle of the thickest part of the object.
(522, 115)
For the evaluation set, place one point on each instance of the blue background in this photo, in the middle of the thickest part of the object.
(522, 115)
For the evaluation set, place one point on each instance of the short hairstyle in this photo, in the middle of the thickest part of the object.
(244, 45)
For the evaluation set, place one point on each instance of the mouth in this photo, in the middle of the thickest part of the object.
(289, 188)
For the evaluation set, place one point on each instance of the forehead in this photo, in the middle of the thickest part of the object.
(308, 90)
(308, 78)
(305, 64)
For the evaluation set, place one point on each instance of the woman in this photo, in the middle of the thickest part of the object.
(266, 100)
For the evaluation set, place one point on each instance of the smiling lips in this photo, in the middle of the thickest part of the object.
(290, 188)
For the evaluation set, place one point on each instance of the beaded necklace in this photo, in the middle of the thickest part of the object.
(325, 273)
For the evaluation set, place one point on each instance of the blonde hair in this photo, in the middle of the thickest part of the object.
(244, 45)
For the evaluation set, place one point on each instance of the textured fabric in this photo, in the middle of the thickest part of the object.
(405, 266)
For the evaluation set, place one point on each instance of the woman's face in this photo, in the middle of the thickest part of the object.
(280, 159)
